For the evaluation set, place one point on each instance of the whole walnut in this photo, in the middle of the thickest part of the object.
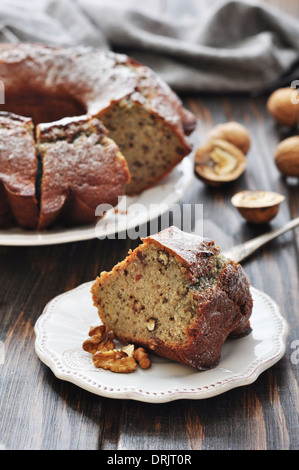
(232, 132)
(287, 156)
(283, 105)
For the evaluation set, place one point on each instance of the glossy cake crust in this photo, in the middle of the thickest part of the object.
(193, 298)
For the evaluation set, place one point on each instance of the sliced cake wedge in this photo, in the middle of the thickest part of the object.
(81, 168)
(178, 296)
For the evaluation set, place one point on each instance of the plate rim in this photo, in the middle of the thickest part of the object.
(248, 376)
(18, 237)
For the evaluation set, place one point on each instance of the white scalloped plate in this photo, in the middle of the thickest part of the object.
(153, 202)
(64, 325)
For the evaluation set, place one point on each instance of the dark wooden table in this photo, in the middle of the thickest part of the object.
(39, 411)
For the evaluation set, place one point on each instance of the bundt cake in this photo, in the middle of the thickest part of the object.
(142, 114)
(62, 172)
(176, 295)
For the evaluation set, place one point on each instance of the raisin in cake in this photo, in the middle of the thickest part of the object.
(178, 296)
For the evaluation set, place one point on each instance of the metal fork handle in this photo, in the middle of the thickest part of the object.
(240, 252)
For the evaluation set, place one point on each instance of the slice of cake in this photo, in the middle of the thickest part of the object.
(18, 168)
(176, 295)
(151, 145)
(81, 168)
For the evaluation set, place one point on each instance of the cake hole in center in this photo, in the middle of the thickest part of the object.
(42, 107)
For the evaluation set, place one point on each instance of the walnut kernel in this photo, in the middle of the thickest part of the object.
(142, 357)
(115, 361)
(151, 324)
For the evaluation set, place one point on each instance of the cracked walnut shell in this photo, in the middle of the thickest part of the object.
(218, 161)
(257, 206)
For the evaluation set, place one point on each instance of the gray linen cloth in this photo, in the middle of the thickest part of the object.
(195, 45)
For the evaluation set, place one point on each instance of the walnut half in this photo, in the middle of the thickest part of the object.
(105, 356)
(116, 361)
(100, 339)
